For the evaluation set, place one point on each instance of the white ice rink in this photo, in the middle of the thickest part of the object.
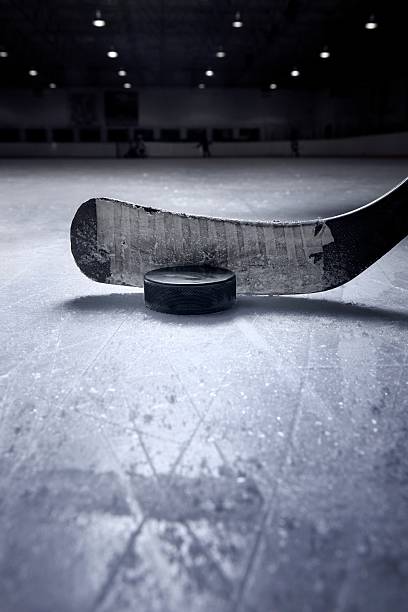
(199, 464)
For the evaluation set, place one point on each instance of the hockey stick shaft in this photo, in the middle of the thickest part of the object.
(116, 242)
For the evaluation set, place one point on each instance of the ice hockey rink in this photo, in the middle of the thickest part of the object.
(253, 460)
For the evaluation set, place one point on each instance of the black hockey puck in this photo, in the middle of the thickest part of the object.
(189, 289)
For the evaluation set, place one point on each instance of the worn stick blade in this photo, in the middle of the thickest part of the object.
(118, 242)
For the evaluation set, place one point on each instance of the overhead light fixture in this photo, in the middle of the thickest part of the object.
(33, 72)
(3, 53)
(127, 85)
(98, 22)
(220, 53)
(237, 23)
(112, 53)
(122, 72)
(295, 72)
(325, 53)
(273, 86)
(201, 86)
(52, 86)
(209, 73)
(371, 23)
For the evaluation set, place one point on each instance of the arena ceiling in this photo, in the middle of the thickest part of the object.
(173, 42)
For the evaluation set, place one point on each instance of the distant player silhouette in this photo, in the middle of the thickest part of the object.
(204, 145)
(294, 142)
(137, 149)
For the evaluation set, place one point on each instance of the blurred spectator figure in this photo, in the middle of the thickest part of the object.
(294, 142)
(204, 144)
(137, 149)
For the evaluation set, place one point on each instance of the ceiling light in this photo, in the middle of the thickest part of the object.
(220, 53)
(3, 53)
(52, 86)
(237, 23)
(209, 73)
(371, 23)
(201, 86)
(122, 72)
(295, 72)
(112, 53)
(98, 22)
(325, 53)
(127, 85)
(33, 72)
(273, 86)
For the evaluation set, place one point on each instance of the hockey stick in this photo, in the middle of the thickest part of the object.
(117, 242)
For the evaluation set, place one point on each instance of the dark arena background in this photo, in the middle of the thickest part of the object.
(250, 460)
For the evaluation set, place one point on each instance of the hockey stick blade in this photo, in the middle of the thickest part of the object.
(117, 242)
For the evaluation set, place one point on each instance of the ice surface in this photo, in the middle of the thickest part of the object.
(252, 460)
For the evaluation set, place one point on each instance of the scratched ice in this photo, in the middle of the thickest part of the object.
(254, 460)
